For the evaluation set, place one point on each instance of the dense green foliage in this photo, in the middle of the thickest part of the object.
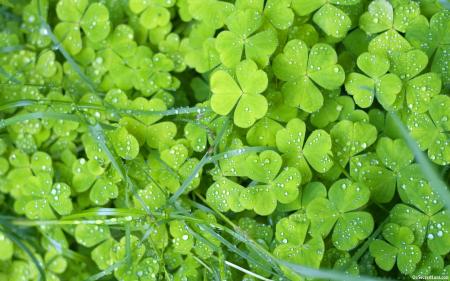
(224, 140)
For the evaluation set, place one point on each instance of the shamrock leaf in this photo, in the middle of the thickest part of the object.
(152, 14)
(211, 12)
(242, 35)
(308, 254)
(90, 235)
(430, 130)
(274, 186)
(299, 70)
(279, 13)
(381, 16)
(382, 172)
(338, 211)
(424, 213)
(93, 19)
(350, 138)
(332, 20)
(43, 197)
(173, 167)
(125, 144)
(245, 93)
(91, 175)
(429, 36)
(197, 135)
(263, 132)
(316, 151)
(224, 195)
(140, 268)
(292, 229)
(419, 88)
(397, 248)
(384, 86)
(183, 241)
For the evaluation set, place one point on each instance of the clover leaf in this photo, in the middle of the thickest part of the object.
(424, 213)
(126, 144)
(141, 267)
(315, 152)
(90, 235)
(263, 132)
(273, 186)
(430, 130)
(308, 254)
(211, 12)
(350, 138)
(93, 19)
(332, 20)
(279, 13)
(182, 241)
(397, 248)
(91, 175)
(152, 196)
(339, 212)
(245, 93)
(384, 19)
(419, 88)
(152, 14)
(429, 35)
(43, 197)
(243, 36)
(384, 86)
(299, 69)
(382, 172)
(224, 195)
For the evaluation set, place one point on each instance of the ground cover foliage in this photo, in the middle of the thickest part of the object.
(224, 140)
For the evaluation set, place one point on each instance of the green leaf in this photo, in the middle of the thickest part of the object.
(292, 229)
(90, 235)
(352, 228)
(95, 22)
(260, 198)
(226, 93)
(71, 10)
(333, 21)
(263, 132)
(125, 144)
(347, 196)
(305, 7)
(7, 247)
(323, 68)
(59, 198)
(263, 167)
(317, 151)
(102, 191)
(224, 195)
(286, 185)
(279, 13)
(400, 249)
(350, 138)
